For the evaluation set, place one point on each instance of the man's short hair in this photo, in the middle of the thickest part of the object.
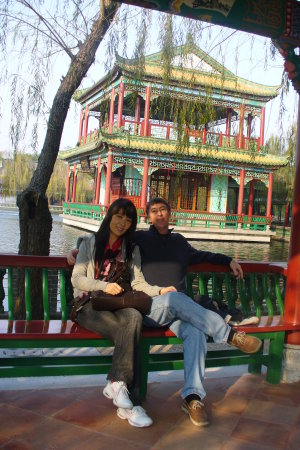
(155, 201)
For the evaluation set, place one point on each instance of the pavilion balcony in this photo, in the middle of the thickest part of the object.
(168, 131)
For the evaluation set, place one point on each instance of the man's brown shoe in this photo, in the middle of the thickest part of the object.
(196, 410)
(245, 343)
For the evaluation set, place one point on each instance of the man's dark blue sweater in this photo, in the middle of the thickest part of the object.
(165, 257)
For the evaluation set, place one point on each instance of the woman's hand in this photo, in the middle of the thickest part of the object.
(113, 289)
(167, 289)
(71, 256)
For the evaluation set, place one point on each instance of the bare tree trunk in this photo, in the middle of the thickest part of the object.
(34, 217)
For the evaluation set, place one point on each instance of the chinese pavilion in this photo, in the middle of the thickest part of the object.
(133, 152)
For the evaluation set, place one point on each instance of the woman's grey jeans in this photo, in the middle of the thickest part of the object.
(123, 327)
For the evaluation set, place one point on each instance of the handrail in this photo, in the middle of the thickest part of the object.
(60, 262)
(33, 261)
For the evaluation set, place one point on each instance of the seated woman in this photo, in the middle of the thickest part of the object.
(112, 241)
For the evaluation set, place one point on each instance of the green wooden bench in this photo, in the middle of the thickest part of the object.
(261, 292)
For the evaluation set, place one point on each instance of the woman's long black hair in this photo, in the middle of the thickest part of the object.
(102, 235)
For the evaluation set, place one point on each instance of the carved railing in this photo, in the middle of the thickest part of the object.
(169, 131)
(178, 217)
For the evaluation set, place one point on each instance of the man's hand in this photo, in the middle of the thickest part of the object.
(113, 289)
(165, 290)
(236, 269)
(71, 256)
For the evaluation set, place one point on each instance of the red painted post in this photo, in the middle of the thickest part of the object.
(108, 178)
(98, 181)
(137, 114)
(168, 132)
(204, 136)
(249, 123)
(111, 111)
(241, 128)
(86, 122)
(80, 126)
(220, 139)
(262, 126)
(292, 293)
(251, 198)
(241, 191)
(286, 214)
(120, 105)
(144, 183)
(74, 184)
(67, 184)
(147, 110)
(269, 198)
(228, 121)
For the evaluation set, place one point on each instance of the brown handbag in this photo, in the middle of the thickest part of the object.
(78, 304)
(130, 299)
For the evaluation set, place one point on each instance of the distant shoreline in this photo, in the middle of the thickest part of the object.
(12, 207)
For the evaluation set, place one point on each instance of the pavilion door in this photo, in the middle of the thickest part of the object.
(160, 184)
(194, 191)
(187, 192)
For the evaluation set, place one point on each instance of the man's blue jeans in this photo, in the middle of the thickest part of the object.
(191, 322)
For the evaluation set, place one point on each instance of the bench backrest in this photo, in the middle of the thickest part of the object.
(261, 292)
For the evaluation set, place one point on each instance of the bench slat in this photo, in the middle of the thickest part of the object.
(56, 329)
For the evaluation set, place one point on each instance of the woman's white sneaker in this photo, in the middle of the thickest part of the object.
(137, 416)
(118, 392)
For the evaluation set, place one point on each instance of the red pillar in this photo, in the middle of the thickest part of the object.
(251, 198)
(98, 180)
(241, 128)
(144, 183)
(74, 184)
(262, 126)
(241, 191)
(228, 121)
(249, 122)
(111, 111)
(120, 105)
(86, 122)
(137, 114)
(286, 214)
(67, 184)
(108, 178)
(80, 126)
(147, 110)
(269, 198)
(292, 293)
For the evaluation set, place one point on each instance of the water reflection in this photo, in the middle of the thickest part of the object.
(63, 238)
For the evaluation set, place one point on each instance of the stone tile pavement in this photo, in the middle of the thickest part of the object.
(246, 414)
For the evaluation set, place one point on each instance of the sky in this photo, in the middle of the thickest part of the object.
(248, 56)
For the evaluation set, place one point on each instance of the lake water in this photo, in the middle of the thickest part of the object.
(63, 238)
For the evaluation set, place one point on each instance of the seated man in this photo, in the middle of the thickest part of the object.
(160, 261)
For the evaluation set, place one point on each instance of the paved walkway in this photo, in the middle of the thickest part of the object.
(246, 414)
